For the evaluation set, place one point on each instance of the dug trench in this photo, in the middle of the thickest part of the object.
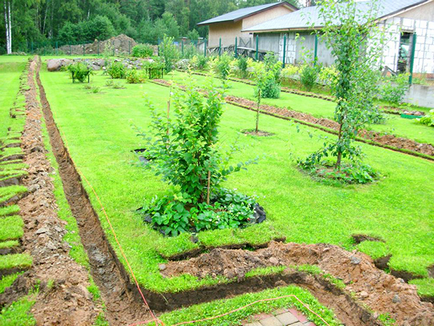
(124, 303)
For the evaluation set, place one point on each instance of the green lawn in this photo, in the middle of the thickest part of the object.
(98, 129)
(321, 109)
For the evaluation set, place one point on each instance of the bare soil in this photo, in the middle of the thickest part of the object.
(66, 301)
(107, 271)
(382, 292)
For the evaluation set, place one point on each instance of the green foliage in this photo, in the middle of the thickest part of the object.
(428, 119)
(142, 51)
(116, 70)
(349, 173)
(193, 35)
(99, 27)
(308, 77)
(242, 66)
(393, 88)
(267, 76)
(223, 66)
(357, 46)
(79, 71)
(135, 76)
(169, 53)
(174, 213)
(183, 148)
(8, 280)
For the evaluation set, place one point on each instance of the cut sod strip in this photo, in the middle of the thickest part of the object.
(10, 264)
(11, 228)
(9, 210)
(9, 154)
(7, 281)
(11, 193)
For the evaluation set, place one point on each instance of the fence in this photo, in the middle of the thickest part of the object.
(121, 44)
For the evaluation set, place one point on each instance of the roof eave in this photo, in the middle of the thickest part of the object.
(277, 4)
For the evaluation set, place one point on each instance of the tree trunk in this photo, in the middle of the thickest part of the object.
(339, 157)
(10, 27)
(257, 110)
(6, 27)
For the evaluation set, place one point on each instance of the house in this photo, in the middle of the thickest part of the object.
(229, 26)
(410, 22)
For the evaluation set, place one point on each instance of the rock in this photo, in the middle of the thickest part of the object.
(42, 230)
(363, 295)
(355, 260)
(162, 267)
(56, 64)
(396, 299)
(274, 261)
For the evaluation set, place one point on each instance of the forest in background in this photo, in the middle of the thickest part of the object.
(79, 21)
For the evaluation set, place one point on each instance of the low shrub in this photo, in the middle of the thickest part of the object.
(142, 51)
(428, 119)
(79, 71)
(185, 154)
(393, 88)
(308, 77)
(223, 66)
(168, 52)
(135, 76)
(242, 66)
(290, 71)
(350, 173)
(116, 70)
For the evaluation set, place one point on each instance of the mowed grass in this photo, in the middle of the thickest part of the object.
(10, 71)
(321, 109)
(98, 129)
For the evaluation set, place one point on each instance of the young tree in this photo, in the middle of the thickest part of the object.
(355, 41)
(8, 25)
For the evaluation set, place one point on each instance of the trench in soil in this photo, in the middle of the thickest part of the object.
(123, 301)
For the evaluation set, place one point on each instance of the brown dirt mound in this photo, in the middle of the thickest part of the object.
(382, 292)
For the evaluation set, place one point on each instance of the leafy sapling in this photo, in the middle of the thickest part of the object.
(183, 144)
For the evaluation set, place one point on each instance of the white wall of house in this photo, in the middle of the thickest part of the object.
(424, 52)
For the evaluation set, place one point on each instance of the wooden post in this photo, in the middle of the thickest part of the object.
(220, 46)
(204, 47)
(413, 49)
(284, 51)
(257, 47)
(315, 54)
(236, 47)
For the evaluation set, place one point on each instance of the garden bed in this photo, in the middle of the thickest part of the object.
(389, 141)
(142, 251)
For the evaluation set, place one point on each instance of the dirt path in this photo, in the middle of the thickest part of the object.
(107, 271)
